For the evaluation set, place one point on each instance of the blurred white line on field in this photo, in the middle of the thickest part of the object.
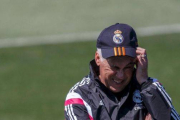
(158, 30)
(84, 36)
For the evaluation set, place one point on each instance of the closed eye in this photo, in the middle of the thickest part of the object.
(115, 67)
(129, 67)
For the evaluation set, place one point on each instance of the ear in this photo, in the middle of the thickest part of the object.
(97, 58)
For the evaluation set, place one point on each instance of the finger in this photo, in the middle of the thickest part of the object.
(140, 51)
(148, 117)
(143, 57)
(142, 60)
(139, 60)
(140, 48)
(141, 54)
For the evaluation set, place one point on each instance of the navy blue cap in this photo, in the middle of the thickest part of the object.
(117, 40)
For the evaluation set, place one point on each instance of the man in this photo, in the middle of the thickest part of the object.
(118, 86)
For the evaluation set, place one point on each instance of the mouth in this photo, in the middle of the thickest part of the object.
(117, 82)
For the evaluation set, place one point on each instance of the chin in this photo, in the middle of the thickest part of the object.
(115, 90)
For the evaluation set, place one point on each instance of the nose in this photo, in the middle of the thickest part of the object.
(120, 74)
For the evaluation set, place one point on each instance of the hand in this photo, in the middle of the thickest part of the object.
(141, 65)
(148, 117)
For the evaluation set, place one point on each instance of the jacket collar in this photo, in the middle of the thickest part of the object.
(94, 70)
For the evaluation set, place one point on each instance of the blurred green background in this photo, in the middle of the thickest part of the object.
(35, 79)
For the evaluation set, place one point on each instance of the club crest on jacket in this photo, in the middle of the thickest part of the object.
(137, 97)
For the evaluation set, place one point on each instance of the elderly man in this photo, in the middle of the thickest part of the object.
(118, 86)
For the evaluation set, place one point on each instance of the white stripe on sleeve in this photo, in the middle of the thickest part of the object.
(174, 114)
(75, 118)
(72, 95)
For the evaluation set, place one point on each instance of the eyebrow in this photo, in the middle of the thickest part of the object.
(130, 63)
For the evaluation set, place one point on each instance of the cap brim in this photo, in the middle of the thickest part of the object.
(118, 52)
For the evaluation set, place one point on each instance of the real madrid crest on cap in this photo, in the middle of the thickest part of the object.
(137, 97)
(118, 38)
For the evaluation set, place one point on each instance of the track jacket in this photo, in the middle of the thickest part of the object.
(89, 99)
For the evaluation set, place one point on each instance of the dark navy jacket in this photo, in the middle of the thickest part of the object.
(89, 99)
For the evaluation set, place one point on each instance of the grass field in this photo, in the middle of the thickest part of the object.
(35, 80)
(48, 17)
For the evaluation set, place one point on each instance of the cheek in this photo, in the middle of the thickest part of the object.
(129, 74)
(109, 73)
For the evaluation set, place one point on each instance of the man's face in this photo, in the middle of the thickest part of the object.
(116, 72)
